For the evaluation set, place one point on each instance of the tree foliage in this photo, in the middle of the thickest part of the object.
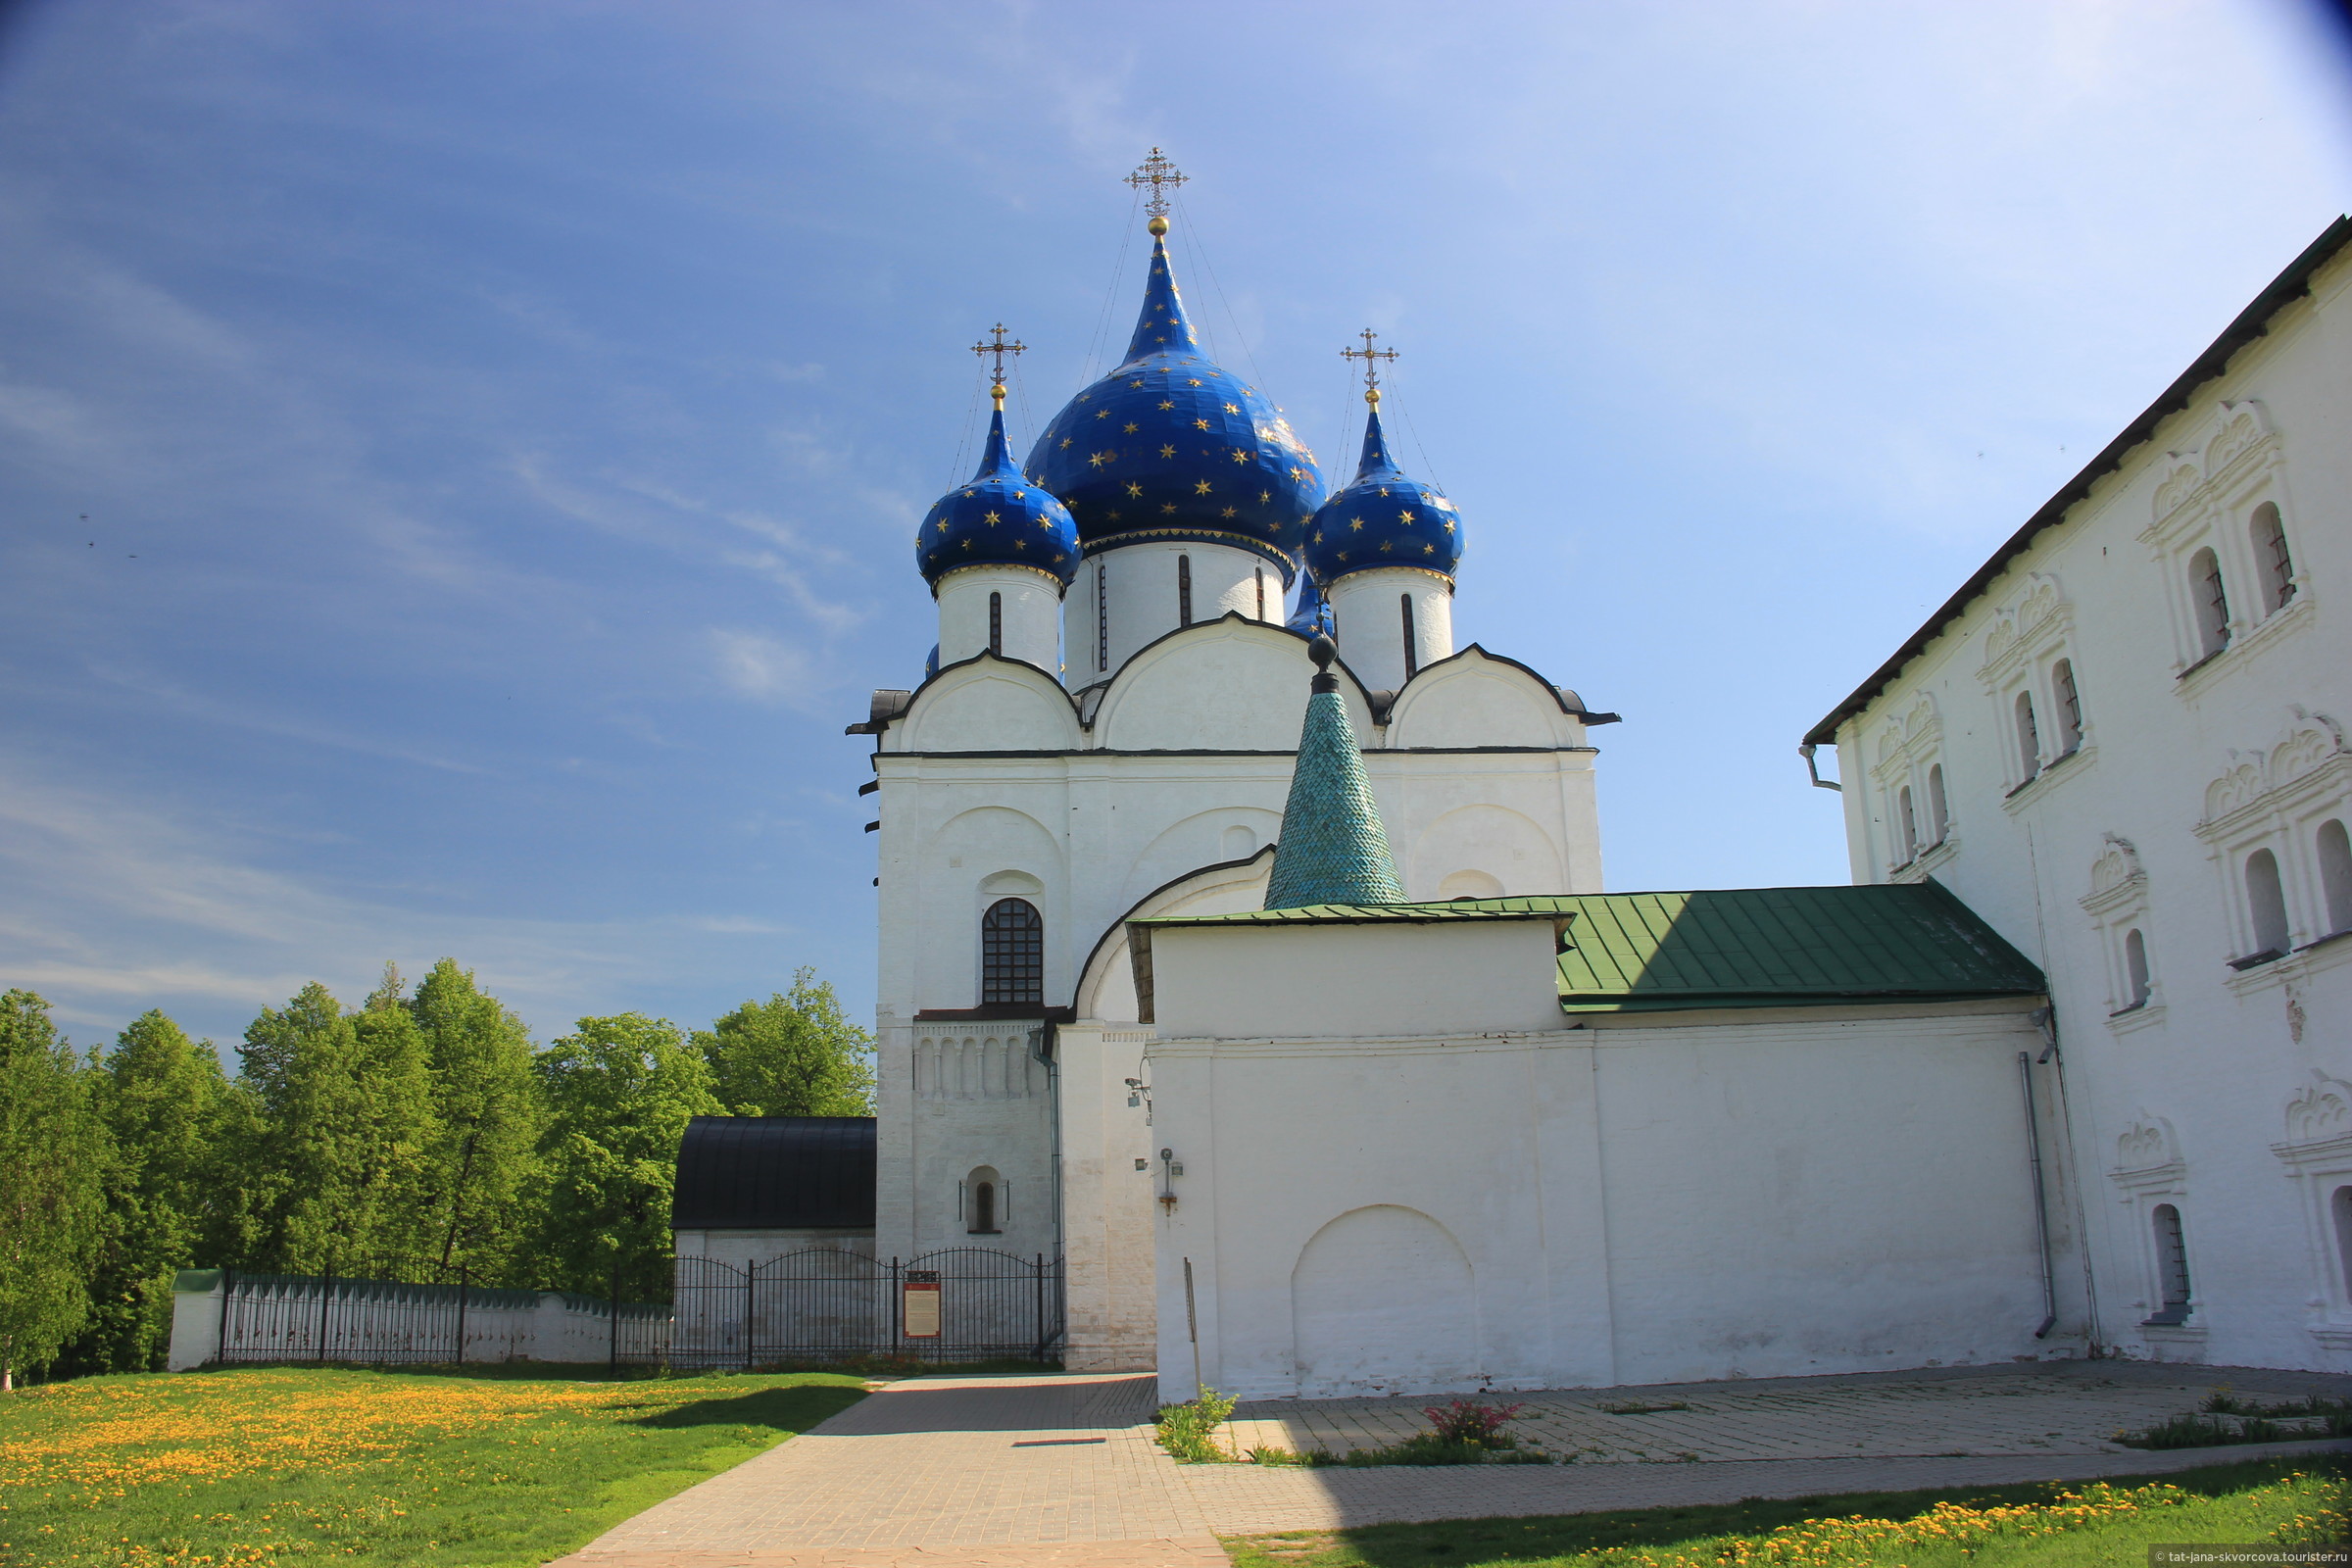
(791, 1055)
(55, 1160)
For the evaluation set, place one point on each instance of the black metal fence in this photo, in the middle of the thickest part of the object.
(327, 1318)
(962, 1303)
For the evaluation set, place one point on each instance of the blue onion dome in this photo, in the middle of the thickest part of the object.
(1171, 446)
(1001, 518)
(1382, 519)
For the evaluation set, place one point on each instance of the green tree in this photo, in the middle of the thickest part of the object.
(161, 1096)
(485, 1152)
(791, 1055)
(620, 1092)
(54, 1159)
(347, 1102)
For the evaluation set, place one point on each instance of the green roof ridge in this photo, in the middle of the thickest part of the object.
(1332, 849)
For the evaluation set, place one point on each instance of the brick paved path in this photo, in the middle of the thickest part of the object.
(1059, 1471)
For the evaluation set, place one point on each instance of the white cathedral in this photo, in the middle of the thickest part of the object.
(1286, 1005)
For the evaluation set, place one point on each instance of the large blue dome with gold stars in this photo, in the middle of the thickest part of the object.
(1383, 519)
(1001, 518)
(1170, 446)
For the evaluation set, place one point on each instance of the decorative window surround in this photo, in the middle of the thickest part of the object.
(2317, 1153)
(2117, 905)
(2215, 667)
(2207, 500)
(2020, 651)
(2054, 772)
(1909, 745)
(2276, 798)
(1928, 862)
(2149, 1170)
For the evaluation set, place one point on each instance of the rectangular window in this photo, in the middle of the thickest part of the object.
(1103, 616)
(1184, 590)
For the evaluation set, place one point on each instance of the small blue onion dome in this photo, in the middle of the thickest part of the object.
(1172, 445)
(1382, 519)
(1001, 518)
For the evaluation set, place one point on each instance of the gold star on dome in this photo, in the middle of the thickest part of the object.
(1356, 526)
(943, 527)
(1058, 554)
(1429, 550)
(1318, 536)
(1193, 381)
(1021, 544)
(1199, 425)
(1159, 340)
(1096, 460)
(1227, 513)
(1020, 495)
(1167, 452)
(969, 494)
(1131, 427)
(1404, 515)
(1241, 454)
(1167, 405)
(1297, 473)
(1134, 489)
(1167, 505)
(992, 519)
(1113, 514)
(1200, 487)
(968, 544)
(1384, 547)
(1066, 443)
(1046, 523)
(1449, 527)
(1264, 496)
(1232, 408)
(1101, 413)
(1135, 383)
(1342, 555)
(1384, 489)
(1084, 395)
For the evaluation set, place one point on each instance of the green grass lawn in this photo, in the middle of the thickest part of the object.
(270, 1465)
(2065, 1525)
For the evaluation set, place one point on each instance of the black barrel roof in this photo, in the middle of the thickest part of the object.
(775, 1173)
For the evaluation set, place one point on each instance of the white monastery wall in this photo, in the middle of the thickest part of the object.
(1469, 977)
(1382, 1214)
(2218, 1089)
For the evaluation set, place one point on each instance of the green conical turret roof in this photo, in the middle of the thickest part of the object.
(1332, 849)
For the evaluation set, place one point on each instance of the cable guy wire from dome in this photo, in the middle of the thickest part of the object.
(1192, 232)
(1097, 342)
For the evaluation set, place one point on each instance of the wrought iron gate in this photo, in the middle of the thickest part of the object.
(829, 1303)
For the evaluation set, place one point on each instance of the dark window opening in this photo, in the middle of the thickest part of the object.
(1940, 814)
(996, 624)
(1413, 655)
(1012, 952)
(1907, 822)
(2336, 875)
(2135, 970)
(2069, 706)
(2171, 1269)
(984, 1208)
(2269, 551)
(1184, 590)
(1102, 617)
(1261, 591)
(2212, 602)
(2028, 737)
(2266, 905)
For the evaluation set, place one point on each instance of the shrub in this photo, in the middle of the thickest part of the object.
(1468, 1421)
(1189, 1431)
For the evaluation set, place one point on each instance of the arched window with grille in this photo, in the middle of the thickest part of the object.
(2172, 1267)
(1012, 952)
(2029, 739)
(2271, 560)
(2212, 601)
(1939, 810)
(2336, 874)
(2266, 906)
(2070, 705)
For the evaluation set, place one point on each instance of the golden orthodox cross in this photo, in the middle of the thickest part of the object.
(1000, 348)
(1371, 357)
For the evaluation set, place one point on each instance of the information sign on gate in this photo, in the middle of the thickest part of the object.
(920, 1312)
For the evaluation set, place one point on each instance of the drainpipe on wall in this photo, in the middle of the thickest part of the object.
(2041, 1211)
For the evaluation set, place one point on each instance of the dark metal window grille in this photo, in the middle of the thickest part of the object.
(1012, 952)
(2069, 704)
(2172, 1264)
(1102, 617)
(2214, 610)
(1261, 591)
(1184, 590)
(2270, 538)
(1413, 655)
(996, 624)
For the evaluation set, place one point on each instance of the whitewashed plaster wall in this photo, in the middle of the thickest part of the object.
(1847, 1189)
(2214, 1094)
(990, 786)
(740, 1248)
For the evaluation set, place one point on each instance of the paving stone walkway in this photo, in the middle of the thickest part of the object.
(1060, 1470)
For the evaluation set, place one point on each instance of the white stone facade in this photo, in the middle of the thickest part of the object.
(1162, 785)
(2166, 836)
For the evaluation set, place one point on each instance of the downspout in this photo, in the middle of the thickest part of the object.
(2041, 1208)
(1051, 1059)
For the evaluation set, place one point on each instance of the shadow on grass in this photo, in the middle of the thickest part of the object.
(780, 1410)
(1504, 1541)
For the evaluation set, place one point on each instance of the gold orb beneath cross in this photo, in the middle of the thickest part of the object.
(1159, 224)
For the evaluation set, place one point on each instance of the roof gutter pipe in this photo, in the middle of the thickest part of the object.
(2041, 1208)
(1806, 752)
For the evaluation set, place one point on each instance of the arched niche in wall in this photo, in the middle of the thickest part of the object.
(989, 705)
(1516, 856)
(1383, 1297)
(1202, 839)
(1230, 685)
(1474, 699)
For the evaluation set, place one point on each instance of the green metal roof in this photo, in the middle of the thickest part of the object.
(1542, 909)
(1783, 947)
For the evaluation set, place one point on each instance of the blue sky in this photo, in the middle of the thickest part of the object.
(458, 464)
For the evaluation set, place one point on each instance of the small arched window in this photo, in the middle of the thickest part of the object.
(2271, 560)
(1939, 812)
(1012, 952)
(1260, 573)
(2265, 903)
(996, 624)
(1184, 590)
(2336, 875)
(2339, 1206)
(2212, 599)
(2172, 1266)
(984, 1201)
(2136, 969)
(1413, 655)
(1907, 824)
(2070, 705)
(2028, 736)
